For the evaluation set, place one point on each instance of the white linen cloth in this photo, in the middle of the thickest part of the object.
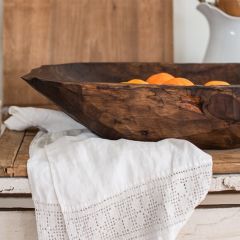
(89, 188)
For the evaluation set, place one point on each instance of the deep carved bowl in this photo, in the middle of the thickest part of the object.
(92, 94)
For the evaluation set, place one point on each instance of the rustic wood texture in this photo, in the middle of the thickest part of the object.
(226, 184)
(215, 224)
(19, 225)
(40, 32)
(14, 186)
(19, 167)
(15, 146)
(209, 117)
(14, 153)
(10, 143)
(227, 161)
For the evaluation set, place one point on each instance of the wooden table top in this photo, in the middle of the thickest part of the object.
(15, 145)
(14, 152)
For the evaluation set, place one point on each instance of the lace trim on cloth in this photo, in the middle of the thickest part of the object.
(50, 222)
(137, 213)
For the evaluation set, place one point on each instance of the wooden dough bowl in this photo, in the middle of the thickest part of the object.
(92, 94)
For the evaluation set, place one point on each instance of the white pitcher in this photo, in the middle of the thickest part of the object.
(224, 41)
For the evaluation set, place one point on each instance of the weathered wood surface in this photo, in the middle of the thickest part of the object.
(220, 183)
(14, 153)
(14, 186)
(16, 202)
(209, 117)
(20, 225)
(214, 224)
(40, 32)
(9, 199)
(226, 161)
(10, 143)
(226, 183)
(15, 145)
(221, 199)
(19, 167)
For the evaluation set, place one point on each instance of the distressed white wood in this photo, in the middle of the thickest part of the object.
(219, 183)
(222, 199)
(14, 186)
(16, 203)
(18, 225)
(211, 199)
(225, 182)
(214, 224)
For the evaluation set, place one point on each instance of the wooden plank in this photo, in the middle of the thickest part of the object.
(19, 167)
(226, 184)
(214, 224)
(229, 167)
(19, 225)
(14, 186)
(16, 202)
(40, 32)
(26, 44)
(221, 199)
(225, 161)
(15, 146)
(10, 143)
(20, 200)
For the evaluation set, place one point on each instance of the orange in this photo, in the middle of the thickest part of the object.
(216, 83)
(179, 81)
(136, 81)
(159, 78)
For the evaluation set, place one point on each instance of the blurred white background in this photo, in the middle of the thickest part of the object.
(191, 32)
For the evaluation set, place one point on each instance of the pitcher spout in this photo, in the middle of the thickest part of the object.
(205, 9)
(211, 12)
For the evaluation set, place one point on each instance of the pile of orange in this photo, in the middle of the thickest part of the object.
(168, 79)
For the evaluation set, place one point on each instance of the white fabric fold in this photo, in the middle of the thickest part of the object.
(85, 187)
(44, 119)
